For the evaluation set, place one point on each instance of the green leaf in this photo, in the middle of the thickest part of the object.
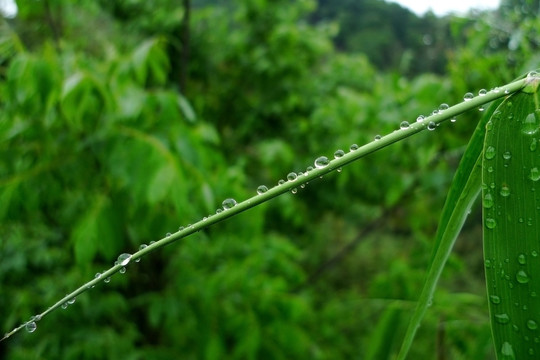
(511, 174)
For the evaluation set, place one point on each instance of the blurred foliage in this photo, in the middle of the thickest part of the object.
(101, 153)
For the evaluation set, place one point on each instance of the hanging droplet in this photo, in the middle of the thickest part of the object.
(302, 186)
(123, 259)
(482, 92)
(122, 270)
(107, 280)
(262, 189)
(321, 161)
(377, 137)
(294, 190)
(507, 351)
(339, 169)
(505, 191)
(453, 120)
(420, 118)
(490, 153)
(488, 201)
(404, 125)
(522, 277)
(481, 108)
(530, 125)
(64, 305)
(339, 153)
(502, 318)
(532, 147)
(228, 203)
(353, 147)
(71, 301)
(31, 326)
(291, 176)
(468, 96)
(491, 223)
(431, 126)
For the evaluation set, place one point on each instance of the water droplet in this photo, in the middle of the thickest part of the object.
(143, 246)
(505, 191)
(534, 174)
(353, 147)
(507, 352)
(532, 325)
(64, 305)
(36, 318)
(495, 299)
(490, 152)
(481, 108)
(291, 176)
(488, 201)
(522, 259)
(502, 318)
(339, 153)
(491, 223)
(281, 182)
(309, 168)
(489, 125)
(71, 301)
(302, 186)
(168, 234)
(530, 124)
(377, 137)
(339, 170)
(262, 189)
(294, 190)
(123, 259)
(522, 277)
(31, 326)
(506, 91)
(98, 275)
(482, 92)
(404, 125)
(534, 253)
(151, 242)
(122, 270)
(443, 107)
(228, 203)
(219, 210)
(454, 119)
(321, 162)
(468, 96)
(431, 126)
(487, 263)
(107, 280)
(420, 118)
(507, 155)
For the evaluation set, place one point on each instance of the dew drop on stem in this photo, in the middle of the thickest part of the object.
(31, 326)
(482, 92)
(420, 118)
(291, 176)
(321, 161)
(404, 125)
(377, 137)
(468, 96)
(443, 107)
(339, 153)
(123, 259)
(353, 147)
(261, 189)
(228, 203)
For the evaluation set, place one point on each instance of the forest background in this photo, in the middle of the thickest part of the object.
(121, 120)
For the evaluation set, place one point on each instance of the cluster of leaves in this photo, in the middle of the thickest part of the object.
(101, 153)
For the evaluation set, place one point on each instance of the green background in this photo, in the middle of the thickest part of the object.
(121, 121)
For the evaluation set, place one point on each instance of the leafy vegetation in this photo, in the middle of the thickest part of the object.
(101, 152)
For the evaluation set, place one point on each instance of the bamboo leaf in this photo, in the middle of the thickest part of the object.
(511, 203)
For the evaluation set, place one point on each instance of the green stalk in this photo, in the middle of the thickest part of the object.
(405, 131)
